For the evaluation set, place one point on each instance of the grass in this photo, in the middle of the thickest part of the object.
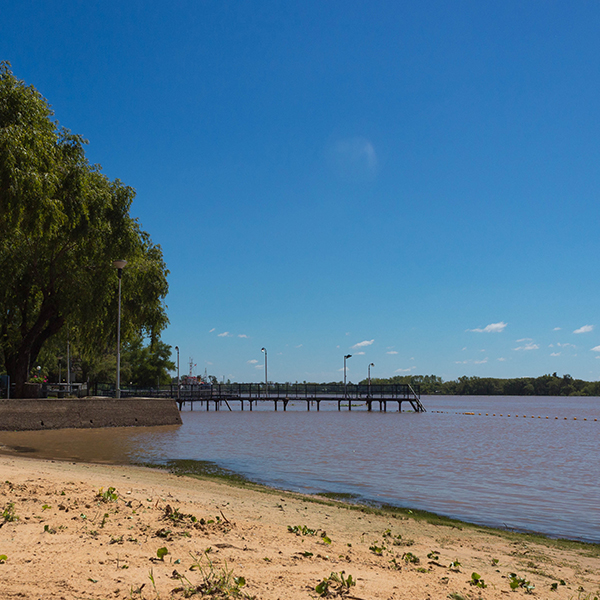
(8, 514)
(215, 582)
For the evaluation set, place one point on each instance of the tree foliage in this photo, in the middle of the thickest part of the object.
(546, 385)
(146, 365)
(62, 224)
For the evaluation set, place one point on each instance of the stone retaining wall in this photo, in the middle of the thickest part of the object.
(63, 413)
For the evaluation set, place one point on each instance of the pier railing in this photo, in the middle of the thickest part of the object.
(255, 393)
(272, 391)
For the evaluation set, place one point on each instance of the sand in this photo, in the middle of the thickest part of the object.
(66, 535)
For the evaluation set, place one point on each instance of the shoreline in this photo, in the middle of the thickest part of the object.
(72, 537)
(211, 471)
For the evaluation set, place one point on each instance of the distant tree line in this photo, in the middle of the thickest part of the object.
(546, 385)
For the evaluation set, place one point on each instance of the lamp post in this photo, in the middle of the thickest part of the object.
(119, 265)
(178, 388)
(371, 365)
(266, 378)
(346, 356)
(69, 347)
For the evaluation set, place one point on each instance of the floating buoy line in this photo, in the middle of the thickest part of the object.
(507, 415)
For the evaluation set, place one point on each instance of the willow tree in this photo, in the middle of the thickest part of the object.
(62, 223)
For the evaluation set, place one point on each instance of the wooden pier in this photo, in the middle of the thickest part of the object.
(250, 395)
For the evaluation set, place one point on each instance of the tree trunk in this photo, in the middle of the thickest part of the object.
(18, 364)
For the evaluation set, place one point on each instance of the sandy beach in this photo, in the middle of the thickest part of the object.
(72, 530)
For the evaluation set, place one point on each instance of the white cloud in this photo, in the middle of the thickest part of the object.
(524, 340)
(555, 354)
(556, 329)
(491, 328)
(212, 330)
(258, 366)
(359, 353)
(567, 345)
(529, 346)
(363, 344)
(392, 352)
(224, 334)
(354, 159)
(481, 362)
(242, 335)
(584, 329)
(596, 349)
(502, 359)
(252, 362)
(404, 370)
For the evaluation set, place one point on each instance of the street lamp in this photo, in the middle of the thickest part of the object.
(178, 388)
(346, 356)
(119, 265)
(371, 365)
(266, 378)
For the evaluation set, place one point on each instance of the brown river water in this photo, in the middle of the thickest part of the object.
(524, 472)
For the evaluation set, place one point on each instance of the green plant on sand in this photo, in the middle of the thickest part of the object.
(216, 582)
(337, 584)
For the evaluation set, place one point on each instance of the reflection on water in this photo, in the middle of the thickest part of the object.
(520, 472)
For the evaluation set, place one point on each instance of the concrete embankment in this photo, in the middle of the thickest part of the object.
(67, 413)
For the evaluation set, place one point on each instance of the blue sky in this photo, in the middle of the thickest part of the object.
(415, 184)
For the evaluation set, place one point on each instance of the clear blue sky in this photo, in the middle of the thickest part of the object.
(416, 184)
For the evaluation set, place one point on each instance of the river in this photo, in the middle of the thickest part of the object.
(538, 471)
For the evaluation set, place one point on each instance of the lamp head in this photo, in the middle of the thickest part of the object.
(263, 350)
(348, 356)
